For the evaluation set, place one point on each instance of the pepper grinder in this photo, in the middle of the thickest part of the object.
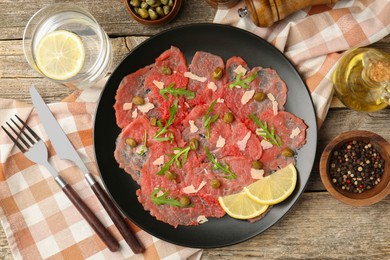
(264, 13)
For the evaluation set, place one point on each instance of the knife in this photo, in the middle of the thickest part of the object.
(65, 150)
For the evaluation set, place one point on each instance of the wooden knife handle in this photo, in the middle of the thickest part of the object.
(265, 12)
(92, 220)
(117, 218)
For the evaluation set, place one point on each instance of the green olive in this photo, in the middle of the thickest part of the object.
(217, 73)
(135, 3)
(160, 12)
(165, 70)
(287, 152)
(137, 100)
(131, 142)
(166, 9)
(185, 201)
(152, 14)
(215, 183)
(153, 121)
(194, 144)
(170, 175)
(259, 96)
(143, 13)
(228, 117)
(257, 165)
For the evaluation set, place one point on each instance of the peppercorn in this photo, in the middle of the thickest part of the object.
(356, 166)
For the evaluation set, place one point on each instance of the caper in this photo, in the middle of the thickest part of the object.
(215, 183)
(153, 121)
(160, 12)
(194, 144)
(217, 73)
(259, 96)
(257, 165)
(170, 175)
(152, 14)
(131, 142)
(137, 100)
(184, 200)
(228, 117)
(143, 13)
(287, 152)
(166, 9)
(158, 3)
(135, 3)
(164, 2)
(165, 70)
(170, 3)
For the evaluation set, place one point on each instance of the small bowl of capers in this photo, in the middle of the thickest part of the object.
(153, 12)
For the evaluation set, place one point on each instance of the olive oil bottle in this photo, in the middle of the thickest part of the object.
(362, 79)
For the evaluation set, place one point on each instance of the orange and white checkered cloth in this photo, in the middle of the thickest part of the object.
(39, 220)
(315, 38)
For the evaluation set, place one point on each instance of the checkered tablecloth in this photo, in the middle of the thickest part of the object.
(39, 220)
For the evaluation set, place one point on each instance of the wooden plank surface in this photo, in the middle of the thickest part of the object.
(317, 227)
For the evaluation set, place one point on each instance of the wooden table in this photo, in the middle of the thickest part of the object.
(317, 227)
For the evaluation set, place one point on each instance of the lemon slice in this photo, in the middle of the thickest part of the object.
(274, 188)
(240, 206)
(60, 55)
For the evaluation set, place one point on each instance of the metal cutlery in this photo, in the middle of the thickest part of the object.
(35, 150)
(65, 150)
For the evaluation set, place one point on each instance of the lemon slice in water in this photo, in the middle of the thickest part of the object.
(240, 206)
(275, 187)
(60, 55)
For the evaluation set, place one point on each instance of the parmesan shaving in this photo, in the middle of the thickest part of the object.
(257, 174)
(240, 69)
(159, 194)
(191, 188)
(295, 132)
(202, 219)
(220, 142)
(242, 144)
(145, 108)
(275, 103)
(159, 160)
(127, 106)
(187, 105)
(193, 127)
(140, 149)
(158, 84)
(220, 100)
(212, 86)
(134, 114)
(247, 96)
(265, 144)
(192, 76)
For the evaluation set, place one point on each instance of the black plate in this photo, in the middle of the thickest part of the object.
(225, 41)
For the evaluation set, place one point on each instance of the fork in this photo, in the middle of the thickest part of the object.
(35, 150)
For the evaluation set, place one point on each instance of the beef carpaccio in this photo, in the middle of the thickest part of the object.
(194, 132)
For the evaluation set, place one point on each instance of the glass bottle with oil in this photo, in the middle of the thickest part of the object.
(362, 79)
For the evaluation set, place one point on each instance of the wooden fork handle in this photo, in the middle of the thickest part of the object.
(117, 218)
(92, 220)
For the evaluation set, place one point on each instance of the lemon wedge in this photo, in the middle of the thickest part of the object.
(274, 188)
(240, 206)
(60, 55)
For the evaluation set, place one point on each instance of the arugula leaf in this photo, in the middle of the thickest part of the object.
(244, 83)
(225, 168)
(176, 92)
(176, 158)
(164, 129)
(208, 119)
(163, 199)
(267, 135)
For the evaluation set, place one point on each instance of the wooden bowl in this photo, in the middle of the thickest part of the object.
(167, 18)
(367, 197)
